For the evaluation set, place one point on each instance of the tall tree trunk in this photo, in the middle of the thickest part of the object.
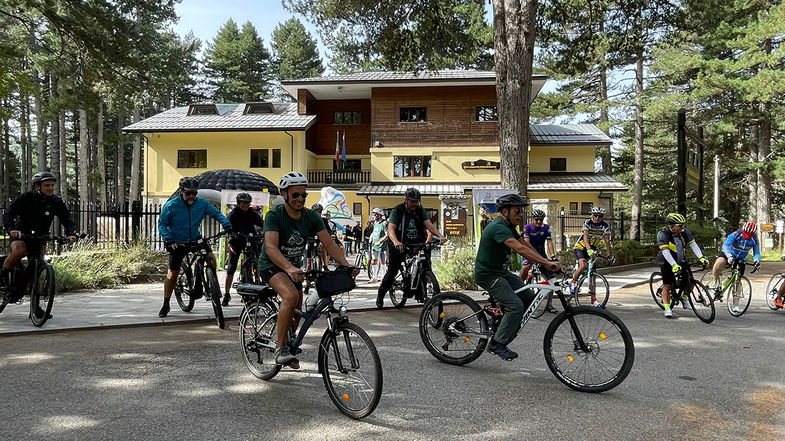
(24, 141)
(55, 132)
(6, 166)
(83, 164)
(29, 154)
(636, 229)
(752, 174)
(136, 161)
(514, 35)
(63, 155)
(605, 152)
(101, 154)
(40, 123)
(763, 199)
(120, 157)
(4, 141)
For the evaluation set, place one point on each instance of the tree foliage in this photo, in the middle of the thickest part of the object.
(295, 52)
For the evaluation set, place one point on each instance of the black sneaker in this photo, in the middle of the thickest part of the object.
(551, 309)
(502, 351)
(285, 358)
(226, 300)
(164, 311)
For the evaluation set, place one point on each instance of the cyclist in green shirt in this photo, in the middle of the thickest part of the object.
(491, 271)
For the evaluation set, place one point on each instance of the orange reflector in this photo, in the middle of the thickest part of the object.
(345, 397)
(466, 339)
(442, 315)
(603, 336)
(570, 358)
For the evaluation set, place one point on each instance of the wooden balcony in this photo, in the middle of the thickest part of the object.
(339, 177)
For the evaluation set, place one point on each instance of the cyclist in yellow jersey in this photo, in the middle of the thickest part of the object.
(594, 230)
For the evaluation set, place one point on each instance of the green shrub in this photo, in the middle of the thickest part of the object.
(87, 267)
(455, 267)
(629, 251)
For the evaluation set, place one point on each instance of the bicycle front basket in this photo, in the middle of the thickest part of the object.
(334, 283)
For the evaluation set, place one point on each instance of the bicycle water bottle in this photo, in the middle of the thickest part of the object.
(311, 301)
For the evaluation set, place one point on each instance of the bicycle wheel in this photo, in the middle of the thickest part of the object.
(430, 286)
(42, 295)
(4, 300)
(772, 290)
(214, 291)
(608, 355)
(258, 334)
(460, 338)
(539, 278)
(351, 369)
(397, 293)
(367, 263)
(739, 297)
(246, 271)
(655, 287)
(184, 287)
(595, 283)
(702, 303)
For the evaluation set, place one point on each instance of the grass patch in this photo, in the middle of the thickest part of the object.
(85, 266)
(771, 256)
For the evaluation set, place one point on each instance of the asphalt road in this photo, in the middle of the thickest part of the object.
(690, 381)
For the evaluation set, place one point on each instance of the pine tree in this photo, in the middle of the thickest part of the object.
(295, 52)
(237, 64)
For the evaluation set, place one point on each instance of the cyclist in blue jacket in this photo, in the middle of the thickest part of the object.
(179, 222)
(736, 247)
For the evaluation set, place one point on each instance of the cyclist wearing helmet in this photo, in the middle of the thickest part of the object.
(180, 221)
(244, 221)
(736, 247)
(286, 230)
(538, 235)
(673, 241)
(378, 241)
(33, 212)
(778, 301)
(407, 224)
(491, 270)
(593, 230)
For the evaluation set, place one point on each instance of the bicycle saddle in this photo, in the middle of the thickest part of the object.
(253, 290)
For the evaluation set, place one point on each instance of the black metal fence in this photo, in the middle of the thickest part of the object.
(619, 222)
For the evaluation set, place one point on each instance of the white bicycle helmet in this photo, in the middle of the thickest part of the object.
(377, 210)
(598, 210)
(292, 179)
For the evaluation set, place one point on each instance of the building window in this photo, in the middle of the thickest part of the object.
(260, 158)
(357, 208)
(413, 114)
(573, 208)
(347, 118)
(586, 207)
(412, 166)
(202, 109)
(260, 107)
(276, 158)
(558, 164)
(349, 164)
(192, 159)
(486, 114)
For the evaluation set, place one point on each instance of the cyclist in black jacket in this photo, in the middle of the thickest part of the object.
(33, 213)
(244, 220)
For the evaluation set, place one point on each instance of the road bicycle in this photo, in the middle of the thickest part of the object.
(198, 278)
(773, 288)
(699, 299)
(363, 258)
(253, 247)
(415, 278)
(348, 360)
(738, 288)
(587, 348)
(592, 284)
(36, 278)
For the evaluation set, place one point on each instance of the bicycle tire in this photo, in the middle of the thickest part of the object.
(352, 398)
(454, 306)
(214, 291)
(4, 301)
(702, 303)
(606, 335)
(430, 287)
(655, 287)
(367, 264)
(744, 298)
(772, 290)
(538, 278)
(183, 288)
(246, 271)
(42, 295)
(602, 290)
(258, 334)
(397, 293)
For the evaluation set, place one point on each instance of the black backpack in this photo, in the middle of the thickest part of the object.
(417, 219)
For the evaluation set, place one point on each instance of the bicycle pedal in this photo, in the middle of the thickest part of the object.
(494, 311)
(295, 351)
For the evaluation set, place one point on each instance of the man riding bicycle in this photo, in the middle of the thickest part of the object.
(244, 221)
(407, 225)
(32, 213)
(492, 274)
(673, 241)
(736, 248)
(286, 229)
(180, 221)
(593, 230)
(538, 235)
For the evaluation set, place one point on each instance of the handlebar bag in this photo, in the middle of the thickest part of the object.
(335, 282)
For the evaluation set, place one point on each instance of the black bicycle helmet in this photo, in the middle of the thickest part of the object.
(538, 214)
(243, 197)
(43, 176)
(413, 194)
(189, 183)
(510, 200)
(317, 207)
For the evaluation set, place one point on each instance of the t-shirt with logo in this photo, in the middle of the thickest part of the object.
(379, 228)
(537, 236)
(596, 230)
(493, 255)
(292, 234)
(676, 244)
(413, 229)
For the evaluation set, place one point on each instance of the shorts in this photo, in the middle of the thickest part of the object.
(742, 264)
(236, 246)
(580, 254)
(34, 246)
(376, 255)
(668, 278)
(267, 274)
(177, 255)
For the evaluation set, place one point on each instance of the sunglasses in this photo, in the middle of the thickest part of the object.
(599, 215)
(190, 193)
(517, 210)
(539, 219)
(296, 195)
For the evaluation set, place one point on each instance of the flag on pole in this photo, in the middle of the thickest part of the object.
(343, 151)
(337, 150)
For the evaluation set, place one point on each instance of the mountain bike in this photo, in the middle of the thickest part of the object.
(198, 278)
(348, 360)
(738, 288)
(253, 247)
(415, 278)
(36, 278)
(592, 284)
(588, 349)
(363, 258)
(536, 276)
(773, 289)
(700, 301)
(313, 255)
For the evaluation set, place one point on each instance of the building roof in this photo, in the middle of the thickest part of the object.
(230, 118)
(568, 134)
(567, 181)
(383, 77)
(398, 190)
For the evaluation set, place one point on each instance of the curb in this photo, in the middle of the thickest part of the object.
(622, 268)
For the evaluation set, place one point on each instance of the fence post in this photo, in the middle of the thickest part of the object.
(562, 227)
(136, 219)
(621, 223)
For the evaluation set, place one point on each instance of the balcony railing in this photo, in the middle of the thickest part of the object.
(339, 177)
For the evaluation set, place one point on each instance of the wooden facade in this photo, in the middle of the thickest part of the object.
(322, 134)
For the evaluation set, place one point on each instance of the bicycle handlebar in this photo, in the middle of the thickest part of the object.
(50, 238)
